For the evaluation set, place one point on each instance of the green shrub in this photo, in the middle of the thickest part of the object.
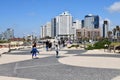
(3, 41)
(74, 46)
(89, 47)
(115, 43)
(69, 47)
(99, 44)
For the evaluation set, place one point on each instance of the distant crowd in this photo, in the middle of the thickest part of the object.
(55, 45)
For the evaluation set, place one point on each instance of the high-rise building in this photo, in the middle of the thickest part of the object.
(105, 29)
(64, 24)
(48, 29)
(41, 30)
(91, 21)
(82, 23)
(76, 25)
(53, 27)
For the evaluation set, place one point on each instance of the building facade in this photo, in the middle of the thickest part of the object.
(91, 21)
(48, 29)
(64, 24)
(76, 25)
(53, 27)
(88, 34)
(82, 23)
(43, 31)
(105, 29)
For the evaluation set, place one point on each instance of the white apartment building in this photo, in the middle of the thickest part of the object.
(105, 29)
(53, 27)
(46, 30)
(76, 25)
(43, 31)
(91, 21)
(64, 24)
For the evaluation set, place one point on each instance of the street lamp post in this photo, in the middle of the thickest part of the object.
(84, 38)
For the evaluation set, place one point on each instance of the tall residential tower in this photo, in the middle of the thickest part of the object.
(105, 29)
(64, 24)
(91, 21)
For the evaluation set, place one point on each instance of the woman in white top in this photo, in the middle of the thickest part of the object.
(57, 51)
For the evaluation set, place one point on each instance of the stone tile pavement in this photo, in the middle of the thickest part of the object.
(73, 64)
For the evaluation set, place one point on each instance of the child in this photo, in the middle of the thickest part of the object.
(34, 51)
(57, 51)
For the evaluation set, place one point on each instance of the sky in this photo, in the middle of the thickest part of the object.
(27, 16)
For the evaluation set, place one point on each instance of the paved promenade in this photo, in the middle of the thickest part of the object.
(73, 64)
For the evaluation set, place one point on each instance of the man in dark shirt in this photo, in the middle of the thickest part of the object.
(47, 45)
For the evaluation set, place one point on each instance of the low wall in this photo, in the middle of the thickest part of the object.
(6, 49)
(3, 50)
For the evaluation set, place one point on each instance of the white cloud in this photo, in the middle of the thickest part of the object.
(115, 7)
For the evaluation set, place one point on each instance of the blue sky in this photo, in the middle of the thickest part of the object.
(26, 16)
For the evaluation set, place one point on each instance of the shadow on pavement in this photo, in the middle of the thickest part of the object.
(78, 52)
(101, 55)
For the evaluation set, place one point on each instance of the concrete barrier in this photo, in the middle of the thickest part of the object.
(3, 50)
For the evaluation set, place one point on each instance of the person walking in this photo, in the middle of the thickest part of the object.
(57, 51)
(34, 51)
(59, 44)
(47, 45)
(50, 46)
